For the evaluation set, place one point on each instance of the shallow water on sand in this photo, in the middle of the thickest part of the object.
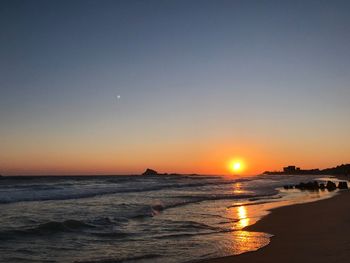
(138, 218)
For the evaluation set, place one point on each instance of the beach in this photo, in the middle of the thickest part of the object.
(310, 232)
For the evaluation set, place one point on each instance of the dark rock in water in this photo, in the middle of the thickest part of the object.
(300, 186)
(315, 186)
(331, 186)
(150, 172)
(312, 186)
(343, 185)
(308, 186)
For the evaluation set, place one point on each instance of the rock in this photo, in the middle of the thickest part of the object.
(308, 186)
(150, 172)
(312, 186)
(331, 186)
(343, 185)
(300, 186)
(315, 186)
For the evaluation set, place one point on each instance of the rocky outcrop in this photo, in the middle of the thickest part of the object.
(315, 186)
(150, 172)
(331, 186)
(308, 186)
(343, 185)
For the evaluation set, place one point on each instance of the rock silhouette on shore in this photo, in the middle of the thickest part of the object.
(330, 186)
(343, 185)
(150, 172)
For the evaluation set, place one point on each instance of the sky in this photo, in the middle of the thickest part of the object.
(114, 87)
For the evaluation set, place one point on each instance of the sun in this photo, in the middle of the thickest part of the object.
(236, 166)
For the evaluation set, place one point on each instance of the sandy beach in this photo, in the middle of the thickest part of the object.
(310, 232)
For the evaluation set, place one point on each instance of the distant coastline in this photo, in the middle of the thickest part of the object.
(151, 172)
(343, 169)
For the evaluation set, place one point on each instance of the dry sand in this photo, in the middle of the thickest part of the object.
(311, 232)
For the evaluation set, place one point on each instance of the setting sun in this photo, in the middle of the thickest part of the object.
(236, 166)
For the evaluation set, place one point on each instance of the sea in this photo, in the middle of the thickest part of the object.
(139, 219)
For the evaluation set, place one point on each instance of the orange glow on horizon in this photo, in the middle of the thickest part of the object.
(217, 157)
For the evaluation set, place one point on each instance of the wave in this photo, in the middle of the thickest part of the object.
(48, 228)
(68, 226)
(38, 193)
(153, 210)
(114, 235)
(101, 226)
(186, 225)
(149, 211)
(54, 226)
(120, 260)
(180, 235)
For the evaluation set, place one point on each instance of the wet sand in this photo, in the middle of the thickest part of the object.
(311, 232)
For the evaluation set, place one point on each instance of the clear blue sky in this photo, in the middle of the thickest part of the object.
(267, 81)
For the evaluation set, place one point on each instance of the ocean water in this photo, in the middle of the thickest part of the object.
(138, 218)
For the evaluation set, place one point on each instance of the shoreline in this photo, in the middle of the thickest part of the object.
(308, 232)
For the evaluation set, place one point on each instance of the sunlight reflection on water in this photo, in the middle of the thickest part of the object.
(242, 215)
(243, 241)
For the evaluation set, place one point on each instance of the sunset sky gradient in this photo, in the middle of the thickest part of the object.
(200, 83)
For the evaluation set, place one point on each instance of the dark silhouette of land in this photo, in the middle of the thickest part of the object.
(154, 172)
(150, 172)
(343, 169)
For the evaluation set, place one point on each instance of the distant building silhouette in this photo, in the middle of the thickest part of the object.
(290, 169)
